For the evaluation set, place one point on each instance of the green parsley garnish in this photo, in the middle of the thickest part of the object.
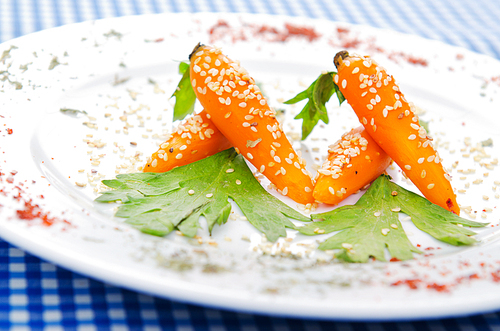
(184, 94)
(372, 224)
(318, 94)
(159, 203)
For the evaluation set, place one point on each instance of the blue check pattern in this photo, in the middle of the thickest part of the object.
(35, 294)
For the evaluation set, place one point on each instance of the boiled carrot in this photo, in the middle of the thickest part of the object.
(240, 111)
(392, 122)
(192, 140)
(353, 162)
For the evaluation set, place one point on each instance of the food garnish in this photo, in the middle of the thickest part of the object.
(372, 224)
(160, 203)
(184, 94)
(318, 94)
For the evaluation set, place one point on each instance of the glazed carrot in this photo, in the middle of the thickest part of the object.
(194, 139)
(238, 108)
(392, 123)
(353, 162)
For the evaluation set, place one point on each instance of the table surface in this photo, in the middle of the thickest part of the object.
(35, 294)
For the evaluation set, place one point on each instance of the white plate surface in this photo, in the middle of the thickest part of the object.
(122, 73)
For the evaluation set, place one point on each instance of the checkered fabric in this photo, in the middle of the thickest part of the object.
(35, 294)
(470, 24)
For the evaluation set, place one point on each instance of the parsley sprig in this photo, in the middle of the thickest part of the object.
(160, 203)
(372, 224)
(184, 94)
(318, 94)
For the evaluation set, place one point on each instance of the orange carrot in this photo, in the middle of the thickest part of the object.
(194, 139)
(353, 162)
(238, 108)
(392, 123)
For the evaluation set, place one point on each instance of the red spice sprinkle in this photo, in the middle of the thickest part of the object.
(496, 276)
(32, 211)
(411, 283)
(10, 131)
(437, 287)
(222, 29)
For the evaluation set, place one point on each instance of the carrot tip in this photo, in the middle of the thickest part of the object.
(195, 49)
(340, 56)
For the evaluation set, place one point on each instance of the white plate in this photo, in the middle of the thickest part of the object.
(455, 87)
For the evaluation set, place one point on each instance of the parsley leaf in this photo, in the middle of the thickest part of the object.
(318, 94)
(184, 94)
(159, 203)
(372, 224)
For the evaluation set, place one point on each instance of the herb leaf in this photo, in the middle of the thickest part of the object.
(72, 111)
(318, 94)
(159, 203)
(371, 225)
(184, 94)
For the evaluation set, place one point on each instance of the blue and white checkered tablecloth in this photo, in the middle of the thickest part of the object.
(35, 294)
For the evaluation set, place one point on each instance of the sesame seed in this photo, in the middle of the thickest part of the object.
(421, 160)
(209, 195)
(396, 210)
(283, 171)
(183, 147)
(373, 90)
(262, 168)
(394, 226)
(277, 159)
(430, 186)
(385, 231)
(430, 158)
(196, 68)
(408, 167)
(191, 192)
(369, 106)
(154, 163)
(227, 115)
(423, 174)
(238, 182)
(415, 126)
(178, 156)
(331, 190)
(307, 189)
(228, 101)
(336, 79)
(250, 156)
(242, 104)
(230, 170)
(262, 102)
(412, 137)
(376, 214)
(355, 70)
(285, 191)
(222, 100)
(344, 83)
